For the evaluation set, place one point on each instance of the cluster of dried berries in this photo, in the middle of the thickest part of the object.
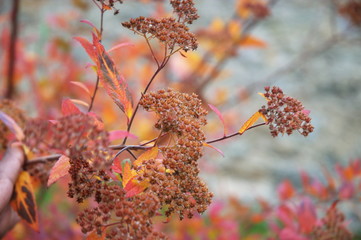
(178, 187)
(120, 217)
(352, 11)
(169, 31)
(332, 227)
(109, 4)
(185, 10)
(285, 114)
(76, 133)
(258, 9)
(9, 108)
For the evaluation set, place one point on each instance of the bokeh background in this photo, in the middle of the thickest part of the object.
(310, 51)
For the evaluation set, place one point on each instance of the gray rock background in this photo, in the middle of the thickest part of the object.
(328, 84)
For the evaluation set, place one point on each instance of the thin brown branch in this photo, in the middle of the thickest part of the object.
(162, 65)
(234, 134)
(55, 157)
(10, 88)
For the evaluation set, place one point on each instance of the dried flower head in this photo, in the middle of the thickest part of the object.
(9, 108)
(168, 31)
(332, 227)
(352, 11)
(285, 114)
(185, 10)
(178, 185)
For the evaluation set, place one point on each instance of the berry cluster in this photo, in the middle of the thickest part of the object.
(259, 10)
(169, 31)
(352, 11)
(178, 186)
(332, 227)
(130, 217)
(76, 133)
(285, 114)
(9, 108)
(185, 10)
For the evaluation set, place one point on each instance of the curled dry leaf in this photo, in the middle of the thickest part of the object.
(23, 200)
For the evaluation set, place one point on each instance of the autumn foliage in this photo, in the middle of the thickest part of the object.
(151, 188)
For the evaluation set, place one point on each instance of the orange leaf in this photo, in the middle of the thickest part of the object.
(68, 107)
(23, 201)
(250, 122)
(59, 170)
(12, 125)
(149, 154)
(128, 173)
(249, 41)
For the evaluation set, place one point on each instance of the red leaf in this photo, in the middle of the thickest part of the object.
(114, 84)
(68, 107)
(306, 216)
(290, 234)
(134, 187)
(94, 236)
(285, 190)
(12, 125)
(59, 170)
(117, 166)
(119, 134)
(23, 201)
(346, 191)
(220, 116)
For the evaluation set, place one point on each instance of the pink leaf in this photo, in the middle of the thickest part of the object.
(120, 45)
(213, 147)
(12, 125)
(306, 214)
(82, 86)
(92, 25)
(68, 107)
(290, 234)
(59, 170)
(119, 134)
(220, 116)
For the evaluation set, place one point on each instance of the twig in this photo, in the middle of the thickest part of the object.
(52, 158)
(233, 134)
(10, 89)
(97, 82)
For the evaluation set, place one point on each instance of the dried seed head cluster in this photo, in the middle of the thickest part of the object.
(332, 227)
(352, 11)
(76, 133)
(185, 10)
(120, 217)
(285, 114)
(173, 33)
(179, 186)
(9, 108)
(258, 9)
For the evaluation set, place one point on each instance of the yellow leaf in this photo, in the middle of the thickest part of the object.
(149, 154)
(250, 122)
(23, 201)
(234, 29)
